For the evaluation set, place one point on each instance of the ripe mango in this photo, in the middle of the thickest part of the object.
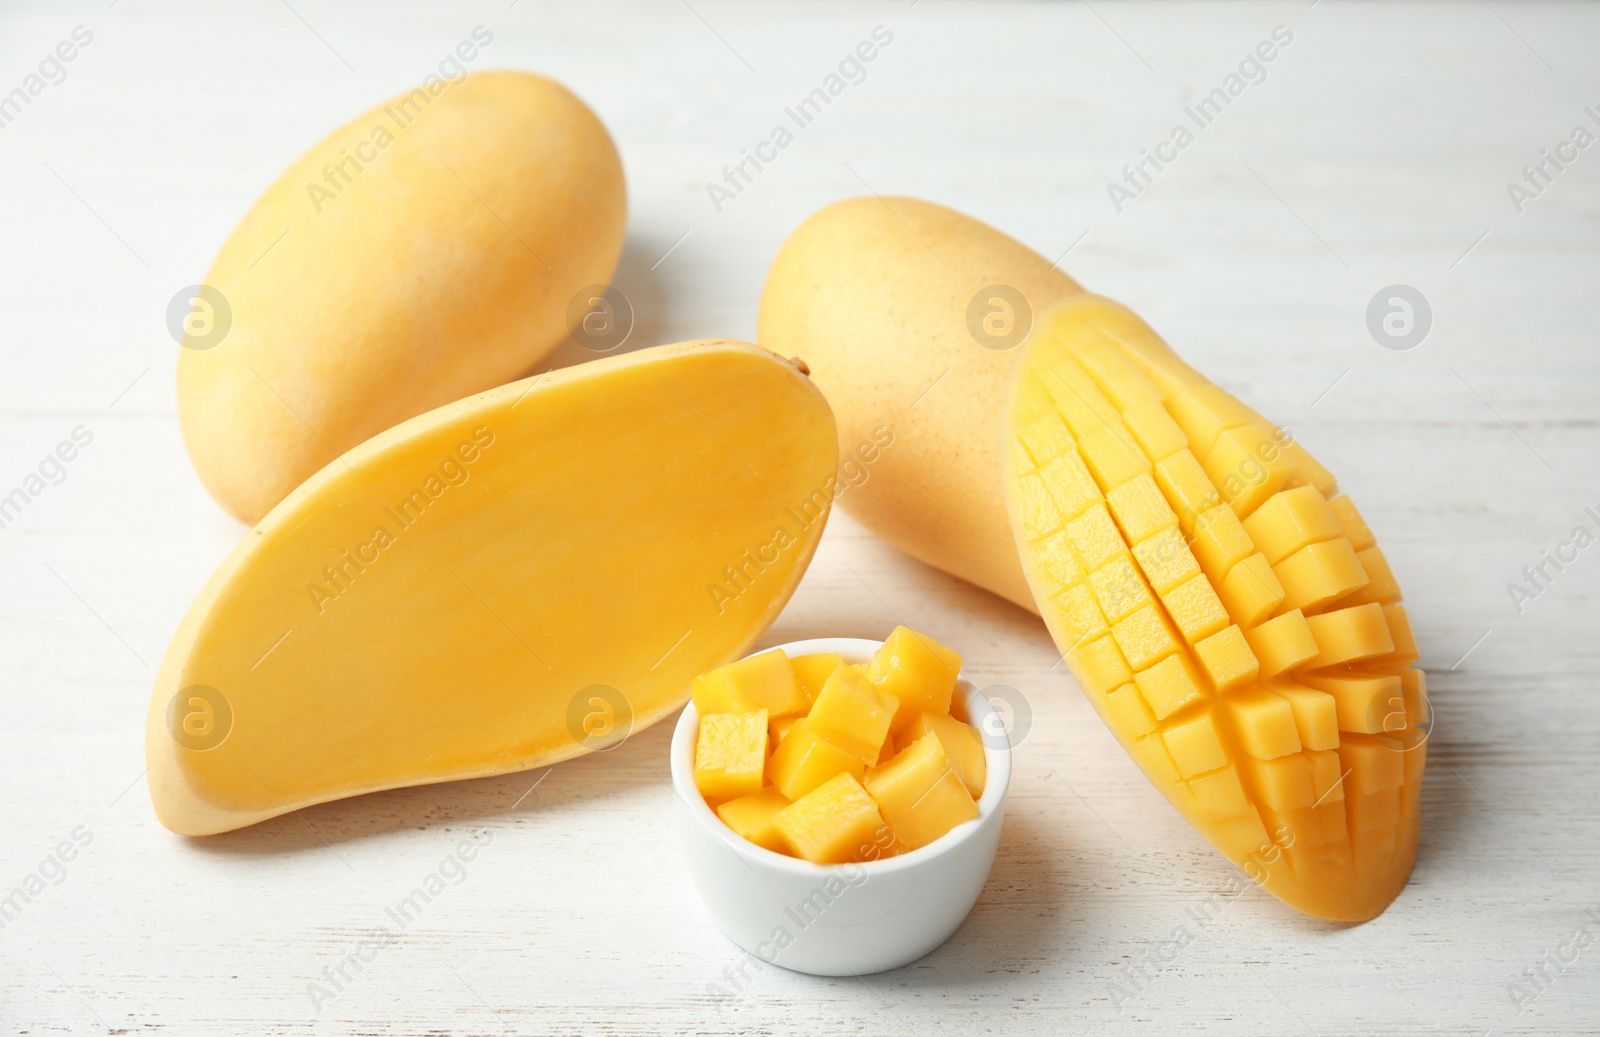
(889, 302)
(426, 250)
(1218, 601)
(502, 583)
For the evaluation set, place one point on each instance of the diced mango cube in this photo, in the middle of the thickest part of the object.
(853, 713)
(1375, 763)
(1047, 437)
(1285, 783)
(1099, 665)
(1169, 685)
(1316, 715)
(1366, 703)
(1040, 515)
(1290, 520)
(812, 670)
(1351, 523)
(1320, 573)
(1220, 542)
(918, 671)
(1251, 590)
(1195, 608)
(1166, 559)
(1195, 747)
(751, 817)
(920, 795)
(1349, 635)
(1152, 755)
(804, 760)
(1265, 724)
(1203, 412)
(1405, 642)
(1119, 588)
(1058, 562)
(1381, 586)
(1129, 713)
(1139, 508)
(730, 754)
(1227, 659)
(961, 744)
(1144, 637)
(1327, 776)
(1186, 487)
(1069, 484)
(1155, 430)
(1281, 643)
(835, 823)
(1248, 465)
(1077, 615)
(1309, 471)
(779, 727)
(1113, 456)
(1095, 537)
(1077, 397)
(1220, 794)
(765, 681)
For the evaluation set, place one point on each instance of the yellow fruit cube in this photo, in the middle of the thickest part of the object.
(1204, 412)
(1405, 642)
(1139, 508)
(1130, 715)
(1113, 456)
(1047, 437)
(919, 793)
(1290, 520)
(765, 681)
(1285, 783)
(1119, 588)
(1248, 465)
(1169, 685)
(1375, 763)
(1220, 542)
(1227, 659)
(1351, 523)
(730, 754)
(812, 670)
(1094, 536)
(1381, 586)
(835, 823)
(853, 714)
(961, 744)
(918, 671)
(1220, 794)
(1311, 471)
(1144, 637)
(1077, 615)
(1366, 703)
(1265, 724)
(1040, 515)
(1195, 608)
(1058, 562)
(1194, 746)
(804, 760)
(1069, 484)
(1166, 559)
(1281, 643)
(1349, 635)
(1251, 590)
(1155, 430)
(1320, 573)
(1186, 487)
(751, 817)
(778, 728)
(1327, 776)
(1316, 715)
(1099, 665)
(1152, 755)
(1078, 399)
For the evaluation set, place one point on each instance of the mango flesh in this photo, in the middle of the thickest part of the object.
(426, 250)
(505, 582)
(882, 297)
(1223, 607)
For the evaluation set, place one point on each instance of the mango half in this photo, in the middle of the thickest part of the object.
(505, 582)
(426, 250)
(1224, 607)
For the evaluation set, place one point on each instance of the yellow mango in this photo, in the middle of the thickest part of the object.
(853, 714)
(908, 314)
(918, 671)
(751, 817)
(730, 754)
(1311, 784)
(835, 823)
(805, 760)
(920, 795)
(765, 681)
(961, 744)
(428, 249)
(503, 583)
(812, 670)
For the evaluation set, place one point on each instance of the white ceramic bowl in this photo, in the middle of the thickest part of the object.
(841, 919)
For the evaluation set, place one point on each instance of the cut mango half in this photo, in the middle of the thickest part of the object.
(1226, 610)
(502, 583)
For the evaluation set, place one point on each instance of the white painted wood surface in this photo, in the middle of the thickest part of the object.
(1377, 151)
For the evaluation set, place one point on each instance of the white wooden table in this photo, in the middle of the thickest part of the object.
(1376, 152)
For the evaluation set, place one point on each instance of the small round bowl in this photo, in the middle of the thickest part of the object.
(841, 919)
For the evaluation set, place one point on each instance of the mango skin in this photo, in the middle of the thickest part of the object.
(442, 268)
(874, 294)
